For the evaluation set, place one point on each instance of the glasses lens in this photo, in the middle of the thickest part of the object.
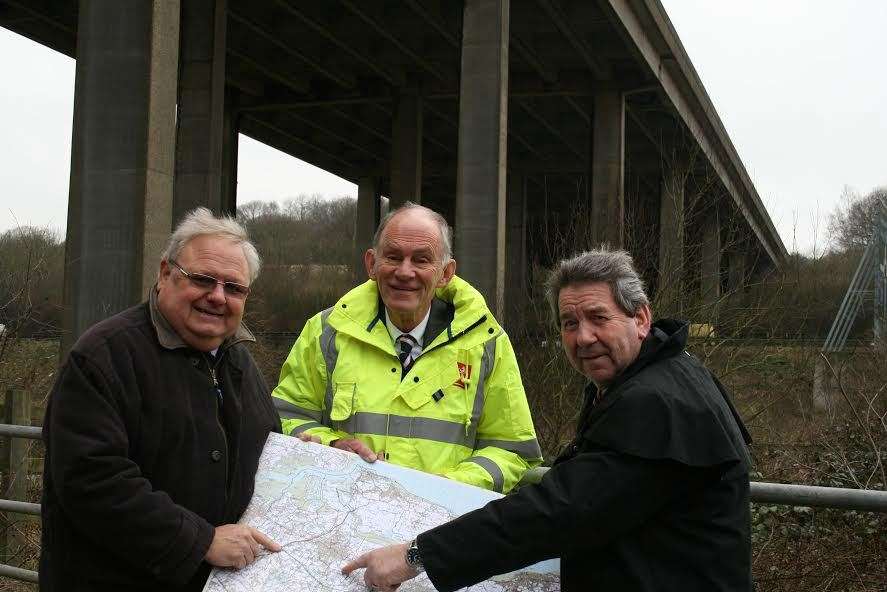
(204, 282)
(237, 290)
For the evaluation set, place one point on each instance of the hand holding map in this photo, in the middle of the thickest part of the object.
(237, 545)
(325, 507)
(386, 568)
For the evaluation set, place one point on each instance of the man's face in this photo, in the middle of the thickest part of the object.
(599, 338)
(408, 266)
(203, 318)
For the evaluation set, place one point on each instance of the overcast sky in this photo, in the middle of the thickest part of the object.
(799, 85)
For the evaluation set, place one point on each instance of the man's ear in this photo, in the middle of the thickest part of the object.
(369, 261)
(449, 271)
(644, 318)
(163, 273)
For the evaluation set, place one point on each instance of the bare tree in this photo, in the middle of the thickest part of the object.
(850, 225)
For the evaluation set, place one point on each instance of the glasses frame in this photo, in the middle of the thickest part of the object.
(232, 289)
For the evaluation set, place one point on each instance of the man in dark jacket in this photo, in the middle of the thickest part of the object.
(155, 426)
(652, 494)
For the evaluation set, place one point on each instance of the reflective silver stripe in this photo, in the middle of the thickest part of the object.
(426, 428)
(289, 411)
(492, 468)
(527, 449)
(486, 367)
(305, 426)
(330, 357)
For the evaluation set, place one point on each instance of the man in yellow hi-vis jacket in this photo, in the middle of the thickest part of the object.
(411, 367)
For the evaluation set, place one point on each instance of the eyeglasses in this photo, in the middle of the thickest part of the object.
(208, 282)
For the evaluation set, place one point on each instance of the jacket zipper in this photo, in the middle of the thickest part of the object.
(212, 373)
(449, 341)
(456, 336)
(218, 388)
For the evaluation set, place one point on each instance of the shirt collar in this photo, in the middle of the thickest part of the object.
(418, 331)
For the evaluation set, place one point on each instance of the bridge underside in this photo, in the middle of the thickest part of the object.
(536, 127)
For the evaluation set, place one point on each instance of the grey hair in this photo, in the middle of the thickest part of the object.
(614, 268)
(202, 222)
(446, 233)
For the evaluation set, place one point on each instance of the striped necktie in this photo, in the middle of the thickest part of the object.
(407, 350)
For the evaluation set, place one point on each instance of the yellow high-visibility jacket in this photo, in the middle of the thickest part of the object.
(460, 412)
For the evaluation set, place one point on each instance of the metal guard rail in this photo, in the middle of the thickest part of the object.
(761, 493)
(812, 496)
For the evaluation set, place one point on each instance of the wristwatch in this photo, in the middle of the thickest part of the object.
(414, 558)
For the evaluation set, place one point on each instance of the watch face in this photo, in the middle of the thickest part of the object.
(414, 558)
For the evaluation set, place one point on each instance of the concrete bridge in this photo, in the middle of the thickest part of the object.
(520, 120)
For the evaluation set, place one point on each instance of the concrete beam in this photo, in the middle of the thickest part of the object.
(359, 9)
(30, 19)
(230, 144)
(533, 112)
(347, 45)
(600, 69)
(483, 130)
(326, 130)
(343, 79)
(200, 122)
(369, 209)
(317, 155)
(406, 150)
(120, 200)
(643, 24)
(286, 80)
(608, 169)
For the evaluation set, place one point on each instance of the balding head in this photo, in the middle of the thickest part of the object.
(414, 209)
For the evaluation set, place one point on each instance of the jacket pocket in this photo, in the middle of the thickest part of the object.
(344, 401)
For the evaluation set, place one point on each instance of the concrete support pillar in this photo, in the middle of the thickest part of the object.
(608, 168)
(710, 272)
(200, 124)
(515, 250)
(735, 271)
(406, 150)
(671, 244)
(120, 199)
(230, 144)
(369, 203)
(483, 131)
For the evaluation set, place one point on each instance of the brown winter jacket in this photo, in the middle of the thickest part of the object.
(144, 457)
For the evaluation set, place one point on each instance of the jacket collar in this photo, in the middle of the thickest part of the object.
(457, 308)
(168, 337)
(439, 320)
(667, 338)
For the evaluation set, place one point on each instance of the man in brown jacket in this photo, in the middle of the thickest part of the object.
(155, 426)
